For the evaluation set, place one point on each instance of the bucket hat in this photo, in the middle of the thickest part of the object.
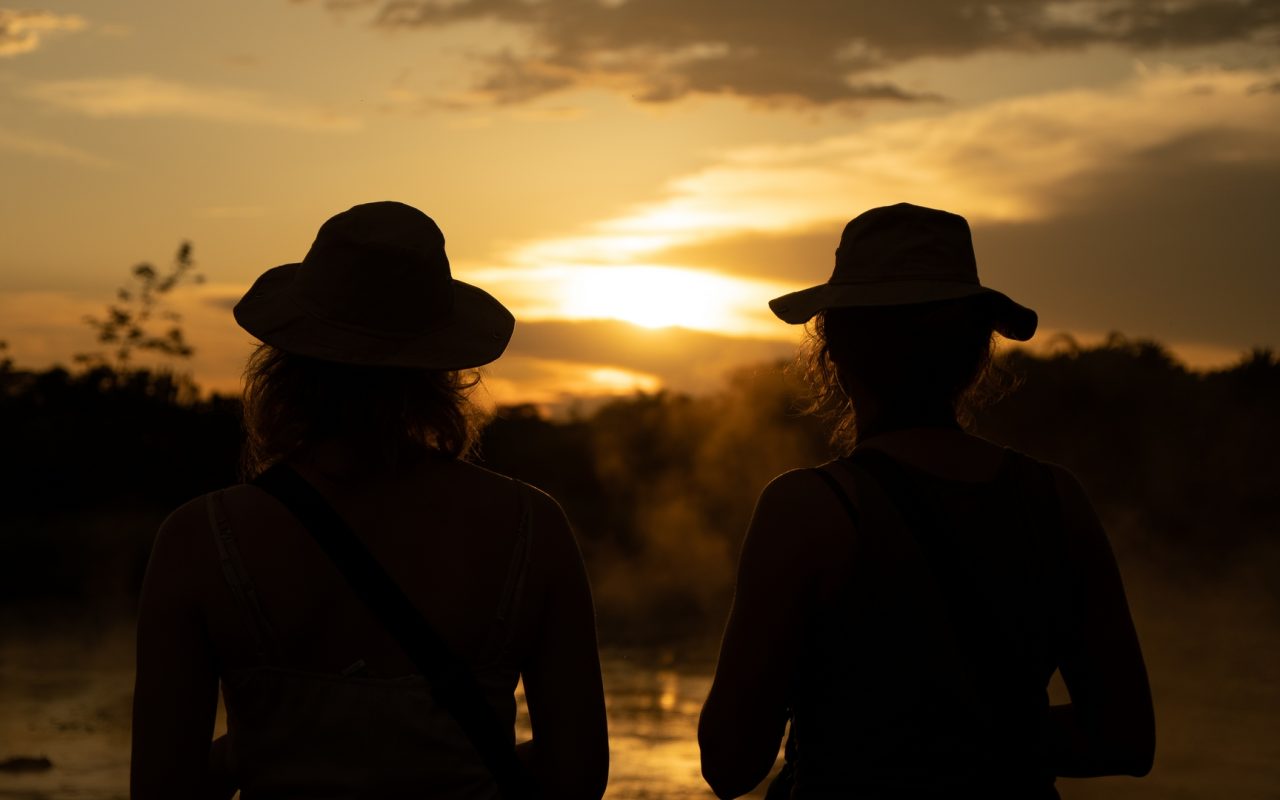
(375, 289)
(904, 255)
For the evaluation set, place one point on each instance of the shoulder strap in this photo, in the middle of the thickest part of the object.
(266, 644)
(504, 619)
(452, 684)
(520, 555)
(1042, 508)
(885, 496)
(887, 475)
(840, 493)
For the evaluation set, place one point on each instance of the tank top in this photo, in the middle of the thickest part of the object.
(927, 675)
(296, 734)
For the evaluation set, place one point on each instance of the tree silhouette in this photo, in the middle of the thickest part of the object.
(130, 323)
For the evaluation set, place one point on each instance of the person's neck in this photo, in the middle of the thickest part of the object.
(341, 460)
(899, 418)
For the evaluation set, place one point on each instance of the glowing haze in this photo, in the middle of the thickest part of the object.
(636, 179)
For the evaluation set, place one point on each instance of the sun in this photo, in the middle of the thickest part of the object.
(653, 296)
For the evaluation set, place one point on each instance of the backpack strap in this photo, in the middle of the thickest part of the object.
(266, 644)
(897, 525)
(503, 627)
(452, 683)
(1042, 510)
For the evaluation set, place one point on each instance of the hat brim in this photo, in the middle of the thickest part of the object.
(476, 334)
(1011, 320)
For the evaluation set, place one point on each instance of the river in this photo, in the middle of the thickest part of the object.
(1212, 657)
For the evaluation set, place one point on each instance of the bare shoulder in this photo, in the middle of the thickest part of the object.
(1087, 542)
(550, 526)
(487, 480)
(187, 524)
(182, 550)
(1072, 496)
(798, 518)
(803, 495)
(552, 530)
(796, 489)
(544, 507)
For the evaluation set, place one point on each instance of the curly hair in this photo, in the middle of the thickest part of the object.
(389, 415)
(916, 359)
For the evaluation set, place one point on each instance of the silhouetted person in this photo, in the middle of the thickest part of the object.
(906, 606)
(359, 390)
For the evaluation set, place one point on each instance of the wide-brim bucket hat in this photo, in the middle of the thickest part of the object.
(375, 289)
(905, 255)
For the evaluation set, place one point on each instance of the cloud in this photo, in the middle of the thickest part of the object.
(1006, 161)
(145, 96)
(809, 52)
(28, 145)
(558, 386)
(795, 255)
(1176, 242)
(1144, 207)
(23, 31)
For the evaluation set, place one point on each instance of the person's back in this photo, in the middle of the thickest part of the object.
(322, 698)
(332, 699)
(929, 666)
(905, 607)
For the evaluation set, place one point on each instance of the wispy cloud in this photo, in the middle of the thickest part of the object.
(556, 384)
(1139, 207)
(808, 52)
(29, 145)
(1002, 162)
(146, 96)
(23, 31)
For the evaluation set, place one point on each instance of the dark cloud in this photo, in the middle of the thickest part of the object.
(683, 359)
(807, 255)
(802, 51)
(1179, 243)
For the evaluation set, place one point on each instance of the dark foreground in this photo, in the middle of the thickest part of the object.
(1210, 651)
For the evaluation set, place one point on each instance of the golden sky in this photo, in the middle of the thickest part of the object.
(636, 178)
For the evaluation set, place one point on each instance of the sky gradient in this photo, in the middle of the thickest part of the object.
(610, 169)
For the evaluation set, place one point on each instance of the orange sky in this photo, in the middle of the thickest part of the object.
(667, 163)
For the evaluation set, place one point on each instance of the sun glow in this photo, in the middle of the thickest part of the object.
(656, 297)
(650, 296)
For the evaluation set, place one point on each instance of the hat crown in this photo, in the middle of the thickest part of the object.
(378, 267)
(905, 242)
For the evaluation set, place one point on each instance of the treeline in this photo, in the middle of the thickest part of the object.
(660, 487)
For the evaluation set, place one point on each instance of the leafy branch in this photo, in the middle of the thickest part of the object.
(131, 322)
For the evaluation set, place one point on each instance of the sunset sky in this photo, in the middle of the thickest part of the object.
(613, 168)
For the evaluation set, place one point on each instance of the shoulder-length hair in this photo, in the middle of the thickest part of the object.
(912, 359)
(386, 416)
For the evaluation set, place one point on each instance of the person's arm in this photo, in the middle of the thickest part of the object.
(1109, 726)
(569, 752)
(176, 687)
(743, 720)
(223, 781)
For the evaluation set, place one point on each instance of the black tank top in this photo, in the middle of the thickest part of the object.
(927, 675)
